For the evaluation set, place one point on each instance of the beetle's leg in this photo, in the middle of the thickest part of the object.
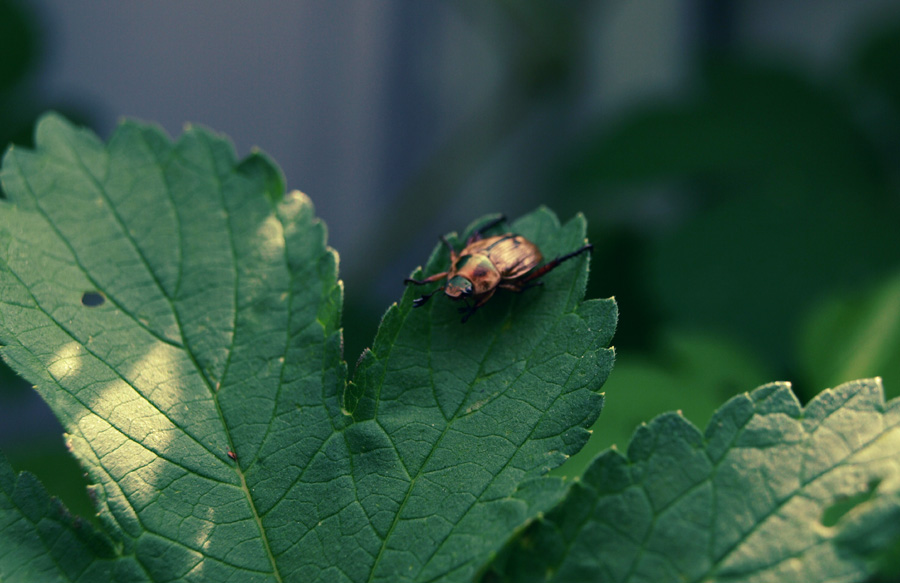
(419, 302)
(519, 285)
(467, 313)
(469, 310)
(477, 234)
(428, 279)
(554, 264)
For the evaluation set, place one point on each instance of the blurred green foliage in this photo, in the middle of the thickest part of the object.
(854, 333)
(786, 201)
(784, 195)
(21, 53)
(19, 44)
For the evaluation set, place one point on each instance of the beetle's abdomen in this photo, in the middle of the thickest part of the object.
(512, 255)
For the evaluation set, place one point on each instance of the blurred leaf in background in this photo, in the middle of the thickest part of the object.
(691, 372)
(854, 334)
(19, 52)
(876, 71)
(22, 50)
(783, 191)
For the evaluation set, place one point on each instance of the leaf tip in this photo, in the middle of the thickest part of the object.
(259, 166)
(548, 212)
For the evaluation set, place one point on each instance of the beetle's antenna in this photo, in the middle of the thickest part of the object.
(476, 235)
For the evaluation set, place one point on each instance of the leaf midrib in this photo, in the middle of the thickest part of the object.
(185, 345)
(212, 390)
(449, 423)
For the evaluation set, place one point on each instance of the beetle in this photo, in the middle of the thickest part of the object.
(507, 261)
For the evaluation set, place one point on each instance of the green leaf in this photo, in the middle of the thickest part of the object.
(180, 315)
(771, 492)
(43, 542)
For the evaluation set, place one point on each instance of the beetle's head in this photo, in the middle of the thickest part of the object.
(458, 287)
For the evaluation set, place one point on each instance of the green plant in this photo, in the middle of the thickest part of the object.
(180, 314)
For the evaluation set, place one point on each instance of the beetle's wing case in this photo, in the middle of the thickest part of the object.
(512, 255)
(478, 247)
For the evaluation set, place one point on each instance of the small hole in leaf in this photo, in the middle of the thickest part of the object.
(92, 299)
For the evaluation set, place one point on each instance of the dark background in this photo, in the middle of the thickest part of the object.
(738, 162)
